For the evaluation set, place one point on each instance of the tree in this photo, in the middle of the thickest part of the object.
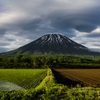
(17, 58)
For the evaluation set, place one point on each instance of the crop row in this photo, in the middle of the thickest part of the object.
(85, 77)
(26, 78)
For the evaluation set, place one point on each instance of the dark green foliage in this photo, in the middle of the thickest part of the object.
(20, 61)
(69, 94)
(17, 58)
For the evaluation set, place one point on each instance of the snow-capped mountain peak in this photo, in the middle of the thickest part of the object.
(56, 41)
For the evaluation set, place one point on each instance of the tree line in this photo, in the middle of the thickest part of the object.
(20, 61)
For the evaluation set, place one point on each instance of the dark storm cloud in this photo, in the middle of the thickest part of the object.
(31, 25)
(64, 22)
(81, 21)
(4, 44)
(2, 32)
(93, 35)
(97, 45)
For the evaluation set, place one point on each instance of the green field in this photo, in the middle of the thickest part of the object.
(25, 78)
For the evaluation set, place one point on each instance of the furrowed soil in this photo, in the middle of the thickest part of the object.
(78, 77)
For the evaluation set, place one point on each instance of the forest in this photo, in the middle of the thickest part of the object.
(32, 62)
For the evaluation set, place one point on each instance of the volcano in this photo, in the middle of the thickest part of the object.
(51, 44)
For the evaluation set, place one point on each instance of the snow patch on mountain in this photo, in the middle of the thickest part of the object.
(56, 43)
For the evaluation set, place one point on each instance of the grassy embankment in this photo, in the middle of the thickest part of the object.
(48, 89)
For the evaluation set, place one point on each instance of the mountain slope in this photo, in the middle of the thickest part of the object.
(51, 44)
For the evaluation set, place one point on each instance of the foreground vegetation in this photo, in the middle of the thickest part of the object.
(50, 90)
(20, 62)
(26, 78)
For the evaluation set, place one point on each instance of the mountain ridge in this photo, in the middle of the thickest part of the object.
(51, 44)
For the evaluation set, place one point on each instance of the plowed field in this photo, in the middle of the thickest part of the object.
(72, 77)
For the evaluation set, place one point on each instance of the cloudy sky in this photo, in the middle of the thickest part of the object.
(23, 21)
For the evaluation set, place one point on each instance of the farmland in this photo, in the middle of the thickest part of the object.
(48, 89)
(72, 77)
(25, 78)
